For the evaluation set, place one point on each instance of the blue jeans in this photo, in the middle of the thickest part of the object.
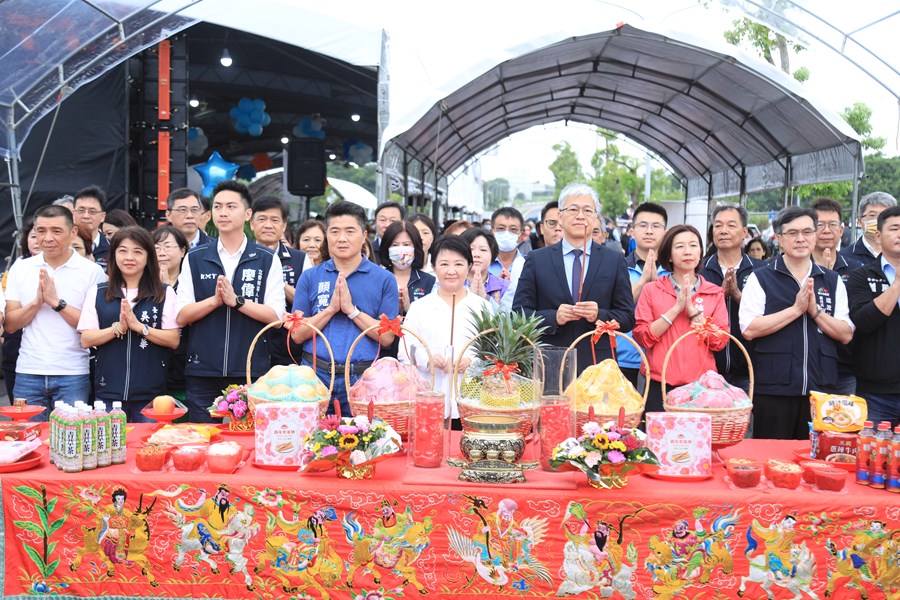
(845, 385)
(46, 390)
(883, 407)
(323, 371)
(199, 394)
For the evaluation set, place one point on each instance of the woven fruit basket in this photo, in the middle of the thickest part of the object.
(398, 411)
(729, 425)
(593, 412)
(323, 402)
(471, 399)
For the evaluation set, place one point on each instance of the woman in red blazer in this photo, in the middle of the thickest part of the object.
(670, 306)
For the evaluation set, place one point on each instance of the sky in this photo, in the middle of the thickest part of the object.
(834, 83)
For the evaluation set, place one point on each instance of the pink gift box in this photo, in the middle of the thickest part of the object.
(280, 430)
(682, 442)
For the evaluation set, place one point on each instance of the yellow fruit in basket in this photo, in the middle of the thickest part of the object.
(260, 387)
(306, 373)
(305, 393)
(321, 390)
(280, 390)
(399, 378)
(605, 388)
(277, 372)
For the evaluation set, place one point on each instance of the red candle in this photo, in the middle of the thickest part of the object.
(555, 421)
(428, 434)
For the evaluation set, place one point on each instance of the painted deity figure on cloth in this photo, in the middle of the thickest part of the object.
(113, 531)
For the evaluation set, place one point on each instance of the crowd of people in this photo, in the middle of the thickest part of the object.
(98, 307)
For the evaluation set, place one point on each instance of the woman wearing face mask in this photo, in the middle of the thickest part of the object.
(401, 253)
(480, 281)
(670, 306)
(131, 321)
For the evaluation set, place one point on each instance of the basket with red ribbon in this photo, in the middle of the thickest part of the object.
(388, 387)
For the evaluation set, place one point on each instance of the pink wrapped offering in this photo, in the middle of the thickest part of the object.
(710, 391)
(387, 380)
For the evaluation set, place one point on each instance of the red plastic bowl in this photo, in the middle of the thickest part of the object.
(830, 479)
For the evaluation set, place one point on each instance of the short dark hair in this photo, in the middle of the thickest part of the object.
(471, 235)
(828, 205)
(741, 211)
(230, 185)
(56, 210)
(181, 194)
(393, 230)
(342, 208)
(161, 233)
(650, 207)
(204, 203)
(890, 211)
(119, 218)
(150, 285)
(761, 242)
(665, 246)
(547, 207)
(270, 202)
(508, 211)
(91, 191)
(396, 205)
(27, 228)
(452, 243)
(423, 218)
(790, 213)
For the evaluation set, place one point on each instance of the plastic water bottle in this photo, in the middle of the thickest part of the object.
(117, 433)
(88, 438)
(893, 478)
(72, 460)
(880, 453)
(54, 430)
(104, 450)
(864, 442)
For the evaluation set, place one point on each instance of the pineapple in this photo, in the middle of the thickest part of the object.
(508, 345)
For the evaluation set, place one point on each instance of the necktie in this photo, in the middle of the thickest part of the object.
(576, 275)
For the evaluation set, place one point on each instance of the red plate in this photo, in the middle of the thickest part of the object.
(801, 454)
(164, 417)
(29, 461)
(21, 413)
(276, 467)
(658, 475)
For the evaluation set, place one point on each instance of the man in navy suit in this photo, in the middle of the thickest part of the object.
(576, 282)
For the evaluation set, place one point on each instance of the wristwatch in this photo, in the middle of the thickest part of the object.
(239, 302)
(145, 331)
(62, 305)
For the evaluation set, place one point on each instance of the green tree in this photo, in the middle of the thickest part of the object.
(496, 193)
(859, 117)
(882, 174)
(361, 176)
(565, 167)
(615, 176)
(768, 43)
(665, 185)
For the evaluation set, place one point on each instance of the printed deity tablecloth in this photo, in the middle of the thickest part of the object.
(269, 534)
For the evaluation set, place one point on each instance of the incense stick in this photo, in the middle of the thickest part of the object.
(452, 317)
(583, 271)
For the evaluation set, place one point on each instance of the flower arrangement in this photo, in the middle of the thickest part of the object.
(233, 404)
(606, 453)
(348, 443)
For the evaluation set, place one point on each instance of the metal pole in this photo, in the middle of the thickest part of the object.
(786, 195)
(15, 190)
(854, 198)
(381, 178)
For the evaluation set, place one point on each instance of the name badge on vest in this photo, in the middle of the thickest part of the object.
(823, 297)
(251, 280)
(876, 285)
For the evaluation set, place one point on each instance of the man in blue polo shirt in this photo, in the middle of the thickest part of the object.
(342, 297)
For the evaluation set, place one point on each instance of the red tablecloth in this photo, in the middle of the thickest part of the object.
(327, 537)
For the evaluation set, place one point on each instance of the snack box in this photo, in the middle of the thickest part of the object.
(19, 432)
(281, 428)
(833, 446)
(834, 412)
(682, 442)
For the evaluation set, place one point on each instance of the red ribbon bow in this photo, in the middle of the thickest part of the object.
(292, 321)
(390, 326)
(609, 328)
(504, 369)
(706, 330)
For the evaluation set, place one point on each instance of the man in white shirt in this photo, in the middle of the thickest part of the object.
(227, 292)
(45, 294)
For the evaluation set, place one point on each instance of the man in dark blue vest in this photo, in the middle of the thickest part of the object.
(268, 223)
(227, 292)
(184, 213)
(794, 311)
(867, 248)
(90, 210)
(730, 268)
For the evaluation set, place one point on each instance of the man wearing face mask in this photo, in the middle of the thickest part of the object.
(507, 224)
(867, 248)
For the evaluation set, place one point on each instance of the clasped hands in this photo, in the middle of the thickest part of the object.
(445, 363)
(587, 310)
(805, 301)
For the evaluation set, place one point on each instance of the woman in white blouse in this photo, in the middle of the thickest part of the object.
(431, 316)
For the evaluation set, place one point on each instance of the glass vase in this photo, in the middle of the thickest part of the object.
(554, 371)
(427, 430)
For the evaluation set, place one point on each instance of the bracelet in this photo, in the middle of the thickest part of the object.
(665, 318)
(818, 312)
(695, 315)
(354, 314)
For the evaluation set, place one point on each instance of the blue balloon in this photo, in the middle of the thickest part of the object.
(266, 119)
(256, 115)
(255, 130)
(241, 127)
(259, 105)
(244, 122)
(207, 190)
(234, 113)
(213, 171)
(245, 105)
(319, 135)
(193, 133)
(246, 172)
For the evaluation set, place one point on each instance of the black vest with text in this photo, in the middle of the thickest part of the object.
(131, 368)
(219, 342)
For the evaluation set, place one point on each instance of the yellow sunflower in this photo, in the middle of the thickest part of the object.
(348, 441)
(601, 441)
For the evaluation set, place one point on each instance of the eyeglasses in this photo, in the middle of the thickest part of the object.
(653, 226)
(573, 211)
(183, 210)
(833, 225)
(796, 233)
(551, 223)
(167, 247)
(88, 211)
(514, 230)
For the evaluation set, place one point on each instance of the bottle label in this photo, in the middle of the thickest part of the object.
(87, 440)
(71, 441)
(102, 442)
(115, 433)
